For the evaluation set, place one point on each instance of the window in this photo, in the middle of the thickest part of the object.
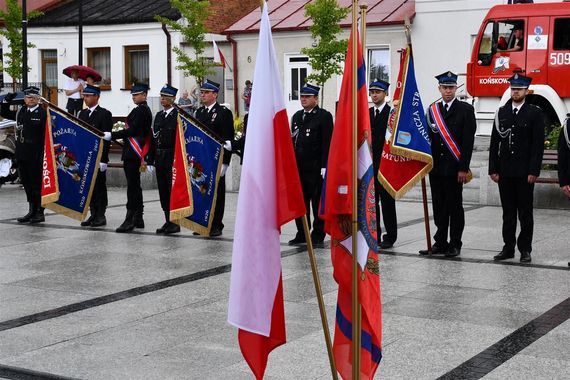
(379, 64)
(100, 60)
(562, 34)
(136, 65)
(501, 36)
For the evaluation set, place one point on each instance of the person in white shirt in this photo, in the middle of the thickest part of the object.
(73, 89)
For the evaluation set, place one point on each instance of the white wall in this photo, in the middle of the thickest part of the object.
(65, 41)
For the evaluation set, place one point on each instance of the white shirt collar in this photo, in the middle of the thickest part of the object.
(168, 111)
(91, 109)
(309, 111)
(33, 108)
(518, 106)
(448, 104)
(380, 107)
(209, 108)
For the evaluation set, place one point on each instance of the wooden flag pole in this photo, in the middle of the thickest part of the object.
(355, 301)
(426, 215)
(318, 288)
(319, 291)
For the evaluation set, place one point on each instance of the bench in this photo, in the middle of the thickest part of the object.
(550, 158)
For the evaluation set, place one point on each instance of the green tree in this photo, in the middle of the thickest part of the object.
(328, 54)
(191, 26)
(12, 31)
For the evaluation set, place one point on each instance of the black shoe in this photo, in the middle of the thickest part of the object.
(138, 218)
(215, 232)
(173, 228)
(88, 222)
(196, 233)
(161, 229)
(386, 244)
(319, 244)
(504, 255)
(26, 218)
(435, 250)
(525, 257)
(297, 241)
(129, 223)
(99, 221)
(453, 252)
(38, 216)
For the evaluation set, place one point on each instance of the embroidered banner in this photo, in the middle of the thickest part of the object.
(204, 155)
(70, 166)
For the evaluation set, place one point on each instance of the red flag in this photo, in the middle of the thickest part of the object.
(270, 196)
(181, 203)
(336, 209)
(50, 186)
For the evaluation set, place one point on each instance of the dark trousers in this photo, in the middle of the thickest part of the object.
(516, 199)
(164, 161)
(99, 198)
(448, 213)
(134, 190)
(388, 205)
(74, 106)
(31, 176)
(220, 205)
(312, 186)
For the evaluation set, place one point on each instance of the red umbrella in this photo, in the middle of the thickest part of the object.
(83, 72)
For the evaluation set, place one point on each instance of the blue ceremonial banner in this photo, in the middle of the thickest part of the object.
(410, 137)
(204, 154)
(70, 166)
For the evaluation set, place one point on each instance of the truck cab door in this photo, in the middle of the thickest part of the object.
(498, 59)
(537, 41)
(559, 55)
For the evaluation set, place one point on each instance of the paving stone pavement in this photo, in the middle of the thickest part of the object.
(93, 304)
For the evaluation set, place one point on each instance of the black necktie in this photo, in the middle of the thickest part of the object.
(377, 113)
(515, 110)
(305, 114)
(446, 107)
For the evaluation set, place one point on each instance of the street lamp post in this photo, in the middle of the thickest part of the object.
(24, 46)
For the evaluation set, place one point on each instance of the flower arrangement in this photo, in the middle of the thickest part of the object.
(118, 126)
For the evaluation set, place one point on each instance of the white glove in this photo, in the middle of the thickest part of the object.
(224, 170)
(228, 145)
(150, 169)
(323, 172)
(102, 166)
(107, 136)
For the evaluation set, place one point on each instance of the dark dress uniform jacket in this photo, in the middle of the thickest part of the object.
(379, 126)
(164, 133)
(221, 121)
(30, 131)
(564, 157)
(460, 121)
(519, 152)
(102, 120)
(139, 121)
(311, 139)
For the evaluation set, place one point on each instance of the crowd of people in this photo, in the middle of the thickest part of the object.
(515, 156)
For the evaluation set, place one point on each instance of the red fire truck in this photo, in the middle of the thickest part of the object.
(540, 51)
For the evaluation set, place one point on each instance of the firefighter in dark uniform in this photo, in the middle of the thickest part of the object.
(221, 121)
(564, 159)
(135, 135)
(311, 130)
(515, 157)
(102, 120)
(30, 127)
(161, 153)
(450, 172)
(379, 115)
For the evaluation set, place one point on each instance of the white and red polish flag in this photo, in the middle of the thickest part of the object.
(270, 195)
